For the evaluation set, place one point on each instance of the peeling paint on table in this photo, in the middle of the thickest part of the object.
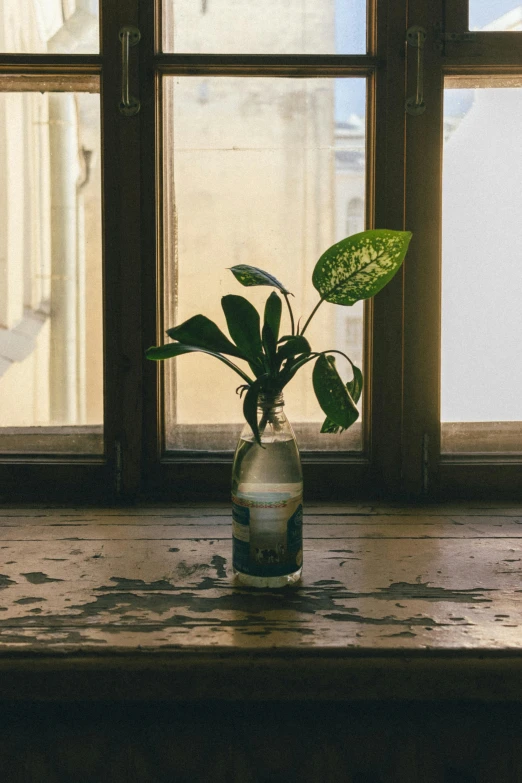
(375, 578)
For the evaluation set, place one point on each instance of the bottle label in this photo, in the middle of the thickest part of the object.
(267, 534)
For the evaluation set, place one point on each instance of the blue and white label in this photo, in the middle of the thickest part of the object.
(267, 533)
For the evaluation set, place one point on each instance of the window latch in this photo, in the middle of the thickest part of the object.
(416, 37)
(129, 36)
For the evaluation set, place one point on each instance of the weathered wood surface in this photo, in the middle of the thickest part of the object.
(380, 583)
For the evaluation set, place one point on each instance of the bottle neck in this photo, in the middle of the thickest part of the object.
(267, 402)
(271, 418)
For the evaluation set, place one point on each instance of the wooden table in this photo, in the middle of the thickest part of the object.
(398, 605)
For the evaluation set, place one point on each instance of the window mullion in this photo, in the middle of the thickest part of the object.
(122, 273)
(152, 242)
(387, 176)
(422, 284)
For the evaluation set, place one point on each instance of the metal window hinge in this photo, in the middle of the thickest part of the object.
(442, 38)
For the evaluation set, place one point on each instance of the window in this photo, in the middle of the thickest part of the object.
(50, 315)
(262, 138)
(479, 253)
(245, 158)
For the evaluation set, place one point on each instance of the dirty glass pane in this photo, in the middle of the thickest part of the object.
(491, 15)
(49, 26)
(268, 27)
(266, 172)
(51, 355)
(481, 404)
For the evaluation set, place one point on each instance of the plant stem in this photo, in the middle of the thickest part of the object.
(291, 313)
(333, 350)
(288, 373)
(240, 372)
(319, 303)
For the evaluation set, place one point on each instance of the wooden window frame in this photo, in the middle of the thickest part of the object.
(334, 475)
(453, 52)
(402, 458)
(80, 478)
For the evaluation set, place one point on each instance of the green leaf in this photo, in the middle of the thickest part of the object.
(257, 368)
(330, 427)
(244, 326)
(292, 347)
(291, 367)
(270, 346)
(201, 332)
(355, 386)
(273, 309)
(251, 275)
(171, 350)
(250, 407)
(332, 394)
(359, 266)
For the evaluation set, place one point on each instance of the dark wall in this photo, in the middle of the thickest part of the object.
(260, 743)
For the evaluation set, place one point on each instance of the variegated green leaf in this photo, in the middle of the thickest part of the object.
(355, 386)
(251, 275)
(332, 394)
(330, 427)
(359, 266)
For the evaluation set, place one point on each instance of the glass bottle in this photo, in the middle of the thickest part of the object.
(267, 501)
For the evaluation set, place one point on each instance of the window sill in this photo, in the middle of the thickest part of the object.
(138, 604)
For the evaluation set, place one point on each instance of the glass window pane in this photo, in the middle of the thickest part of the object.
(49, 26)
(51, 381)
(268, 27)
(481, 269)
(266, 172)
(493, 15)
